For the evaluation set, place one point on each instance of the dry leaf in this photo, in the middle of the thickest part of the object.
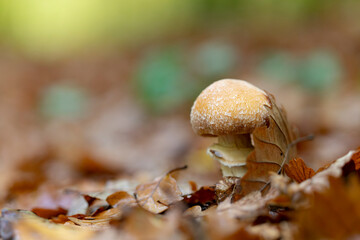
(297, 170)
(290, 197)
(282, 200)
(334, 213)
(78, 206)
(204, 197)
(121, 199)
(356, 159)
(273, 147)
(158, 195)
(29, 226)
(265, 231)
(247, 208)
(226, 187)
(193, 186)
(320, 180)
(194, 211)
(48, 213)
(142, 224)
(98, 222)
(223, 226)
(60, 219)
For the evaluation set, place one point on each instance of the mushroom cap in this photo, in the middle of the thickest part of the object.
(229, 106)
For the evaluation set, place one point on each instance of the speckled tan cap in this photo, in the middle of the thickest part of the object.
(229, 106)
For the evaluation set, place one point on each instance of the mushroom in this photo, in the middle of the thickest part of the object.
(231, 110)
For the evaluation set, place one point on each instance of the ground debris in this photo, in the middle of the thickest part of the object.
(293, 208)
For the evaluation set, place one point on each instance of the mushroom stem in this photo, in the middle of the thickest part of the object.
(238, 140)
(231, 151)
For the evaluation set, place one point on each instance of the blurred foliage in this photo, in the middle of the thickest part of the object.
(63, 101)
(320, 71)
(217, 11)
(59, 27)
(166, 80)
(162, 80)
(215, 59)
(278, 66)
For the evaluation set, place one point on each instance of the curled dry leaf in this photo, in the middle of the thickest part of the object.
(121, 199)
(98, 222)
(158, 195)
(273, 147)
(96, 206)
(78, 206)
(320, 180)
(49, 213)
(355, 158)
(295, 195)
(297, 170)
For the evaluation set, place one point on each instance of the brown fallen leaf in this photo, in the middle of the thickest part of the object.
(349, 165)
(99, 222)
(194, 211)
(193, 186)
(121, 199)
(141, 224)
(94, 205)
(158, 195)
(320, 181)
(60, 219)
(334, 212)
(226, 187)
(283, 201)
(224, 226)
(48, 213)
(204, 197)
(297, 170)
(248, 208)
(273, 148)
(29, 226)
(356, 159)
(290, 198)
(295, 196)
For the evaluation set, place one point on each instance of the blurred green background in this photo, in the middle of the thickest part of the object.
(122, 67)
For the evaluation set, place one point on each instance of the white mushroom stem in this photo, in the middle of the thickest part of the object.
(231, 151)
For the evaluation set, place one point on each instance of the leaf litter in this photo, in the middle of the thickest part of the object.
(293, 208)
